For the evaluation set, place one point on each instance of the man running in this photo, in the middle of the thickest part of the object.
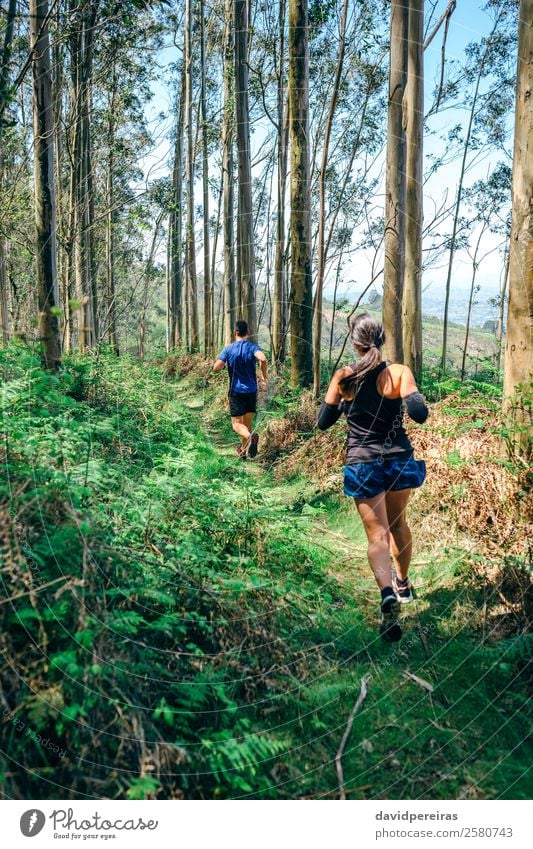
(241, 358)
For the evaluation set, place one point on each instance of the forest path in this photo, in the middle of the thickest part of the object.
(419, 733)
(332, 521)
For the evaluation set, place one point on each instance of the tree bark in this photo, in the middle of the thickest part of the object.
(501, 312)
(62, 212)
(7, 49)
(394, 262)
(413, 122)
(111, 221)
(279, 307)
(300, 222)
(475, 265)
(82, 43)
(45, 208)
(245, 221)
(228, 126)
(322, 208)
(517, 369)
(175, 277)
(208, 289)
(148, 271)
(190, 245)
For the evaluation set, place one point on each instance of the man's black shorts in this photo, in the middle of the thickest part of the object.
(241, 403)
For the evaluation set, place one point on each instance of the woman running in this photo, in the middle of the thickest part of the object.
(380, 470)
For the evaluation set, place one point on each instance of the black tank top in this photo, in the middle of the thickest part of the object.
(375, 423)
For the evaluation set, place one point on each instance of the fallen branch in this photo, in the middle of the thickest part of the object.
(338, 759)
(425, 685)
(34, 590)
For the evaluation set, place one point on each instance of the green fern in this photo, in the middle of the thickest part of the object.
(518, 649)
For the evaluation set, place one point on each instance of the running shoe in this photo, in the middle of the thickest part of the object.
(389, 628)
(402, 588)
(252, 445)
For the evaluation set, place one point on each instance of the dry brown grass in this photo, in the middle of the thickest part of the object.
(181, 365)
(289, 434)
(467, 486)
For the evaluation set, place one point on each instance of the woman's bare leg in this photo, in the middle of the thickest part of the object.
(400, 533)
(373, 513)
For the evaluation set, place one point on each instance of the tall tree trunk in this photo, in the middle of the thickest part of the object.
(58, 69)
(45, 209)
(334, 311)
(228, 124)
(245, 221)
(471, 299)
(518, 342)
(148, 272)
(110, 255)
(4, 290)
(5, 60)
(190, 246)
(82, 41)
(453, 238)
(322, 208)
(175, 275)
(216, 309)
(208, 289)
(279, 307)
(394, 264)
(111, 221)
(501, 312)
(414, 122)
(70, 235)
(300, 223)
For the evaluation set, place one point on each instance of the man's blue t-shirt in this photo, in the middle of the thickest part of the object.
(241, 362)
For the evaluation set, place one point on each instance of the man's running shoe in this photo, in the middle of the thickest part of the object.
(252, 445)
(390, 629)
(402, 588)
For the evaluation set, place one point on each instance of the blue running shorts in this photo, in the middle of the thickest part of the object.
(364, 480)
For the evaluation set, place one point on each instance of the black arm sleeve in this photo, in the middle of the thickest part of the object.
(416, 407)
(328, 415)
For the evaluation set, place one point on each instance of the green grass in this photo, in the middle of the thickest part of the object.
(223, 618)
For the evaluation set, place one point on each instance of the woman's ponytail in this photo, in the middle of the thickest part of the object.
(366, 333)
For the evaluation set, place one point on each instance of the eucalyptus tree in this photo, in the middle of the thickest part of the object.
(5, 75)
(280, 300)
(82, 20)
(228, 168)
(208, 290)
(190, 242)
(45, 204)
(519, 329)
(488, 198)
(488, 107)
(395, 200)
(175, 246)
(300, 220)
(414, 117)
(317, 305)
(245, 227)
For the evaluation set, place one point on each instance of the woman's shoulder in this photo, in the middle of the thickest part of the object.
(344, 371)
(397, 368)
(390, 380)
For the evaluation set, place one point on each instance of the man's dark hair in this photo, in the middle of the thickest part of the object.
(241, 327)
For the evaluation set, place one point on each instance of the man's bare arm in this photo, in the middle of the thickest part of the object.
(219, 365)
(263, 362)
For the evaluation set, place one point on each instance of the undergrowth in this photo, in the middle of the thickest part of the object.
(174, 627)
